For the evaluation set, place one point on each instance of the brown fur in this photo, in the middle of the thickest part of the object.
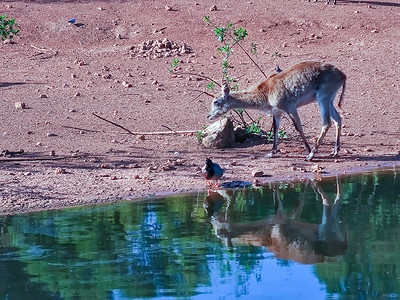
(284, 92)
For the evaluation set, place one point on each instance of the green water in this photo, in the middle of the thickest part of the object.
(279, 242)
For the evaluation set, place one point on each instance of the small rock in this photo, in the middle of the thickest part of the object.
(52, 153)
(317, 169)
(60, 171)
(77, 94)
(20, 105)
(219, 134)
(257, 173)
(50, 134)
(126, 84)
(79, 62)
(168, 8)
(43, 96)
(8, 41)
(374, 31)
(73, 75)
(39, 144)
(213, 8)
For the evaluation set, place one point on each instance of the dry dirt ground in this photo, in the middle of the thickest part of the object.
(64, 73)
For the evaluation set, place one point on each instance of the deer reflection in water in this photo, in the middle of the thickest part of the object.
(285, 235)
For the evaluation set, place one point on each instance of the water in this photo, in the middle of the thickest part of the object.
(279, 242)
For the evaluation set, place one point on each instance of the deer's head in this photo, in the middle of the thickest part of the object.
(221, 105)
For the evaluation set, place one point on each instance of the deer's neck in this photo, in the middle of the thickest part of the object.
(250, 100)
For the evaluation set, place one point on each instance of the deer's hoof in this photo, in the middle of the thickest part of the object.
(310, 156)
(273, 153)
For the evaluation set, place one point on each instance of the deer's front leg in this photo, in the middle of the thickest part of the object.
(276, 122)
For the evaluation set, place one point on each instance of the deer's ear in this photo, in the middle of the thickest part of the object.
(225, 88)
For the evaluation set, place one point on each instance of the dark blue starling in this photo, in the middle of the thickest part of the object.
(212, 171)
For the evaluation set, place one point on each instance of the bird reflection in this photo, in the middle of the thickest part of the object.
(213, 202)
(285, 235)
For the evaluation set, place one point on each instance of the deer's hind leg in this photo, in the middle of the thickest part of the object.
(338, 123)
(325, 107)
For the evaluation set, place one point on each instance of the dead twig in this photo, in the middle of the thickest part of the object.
(202, 92)
(145, 133)
(50, 52)
(113, 123)
(42, 158)
(81, 129)
(198, 75)
(165, 126)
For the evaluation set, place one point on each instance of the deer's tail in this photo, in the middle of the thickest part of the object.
(342, 94)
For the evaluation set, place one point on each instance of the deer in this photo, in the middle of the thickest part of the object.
(286, 235)
(286, 91)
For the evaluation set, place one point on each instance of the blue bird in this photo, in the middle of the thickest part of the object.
(212, 171)
(72, 21)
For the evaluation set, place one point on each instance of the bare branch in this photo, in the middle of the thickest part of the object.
(113, 123)
(198, 75)
(143, 133)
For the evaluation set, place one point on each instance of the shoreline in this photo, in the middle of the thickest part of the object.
(161, 194)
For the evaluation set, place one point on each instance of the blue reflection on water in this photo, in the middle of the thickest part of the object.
(328, 240)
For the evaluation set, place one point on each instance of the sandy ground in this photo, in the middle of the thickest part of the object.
(64, 73)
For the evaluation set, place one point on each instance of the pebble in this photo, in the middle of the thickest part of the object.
(126, 84)
(257, 173)
(20, 105)
(60, 171)
(50, 134)
(43, 96)
(213, 8)
(317, 169)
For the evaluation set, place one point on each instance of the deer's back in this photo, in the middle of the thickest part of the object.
(301, 80)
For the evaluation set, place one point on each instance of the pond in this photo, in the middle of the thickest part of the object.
(331, 239)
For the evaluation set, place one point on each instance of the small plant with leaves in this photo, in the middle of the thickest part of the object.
(200, 133)
(281, 135)
(173, 65)
(254, 128)
(7, 28)
(230, 37)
